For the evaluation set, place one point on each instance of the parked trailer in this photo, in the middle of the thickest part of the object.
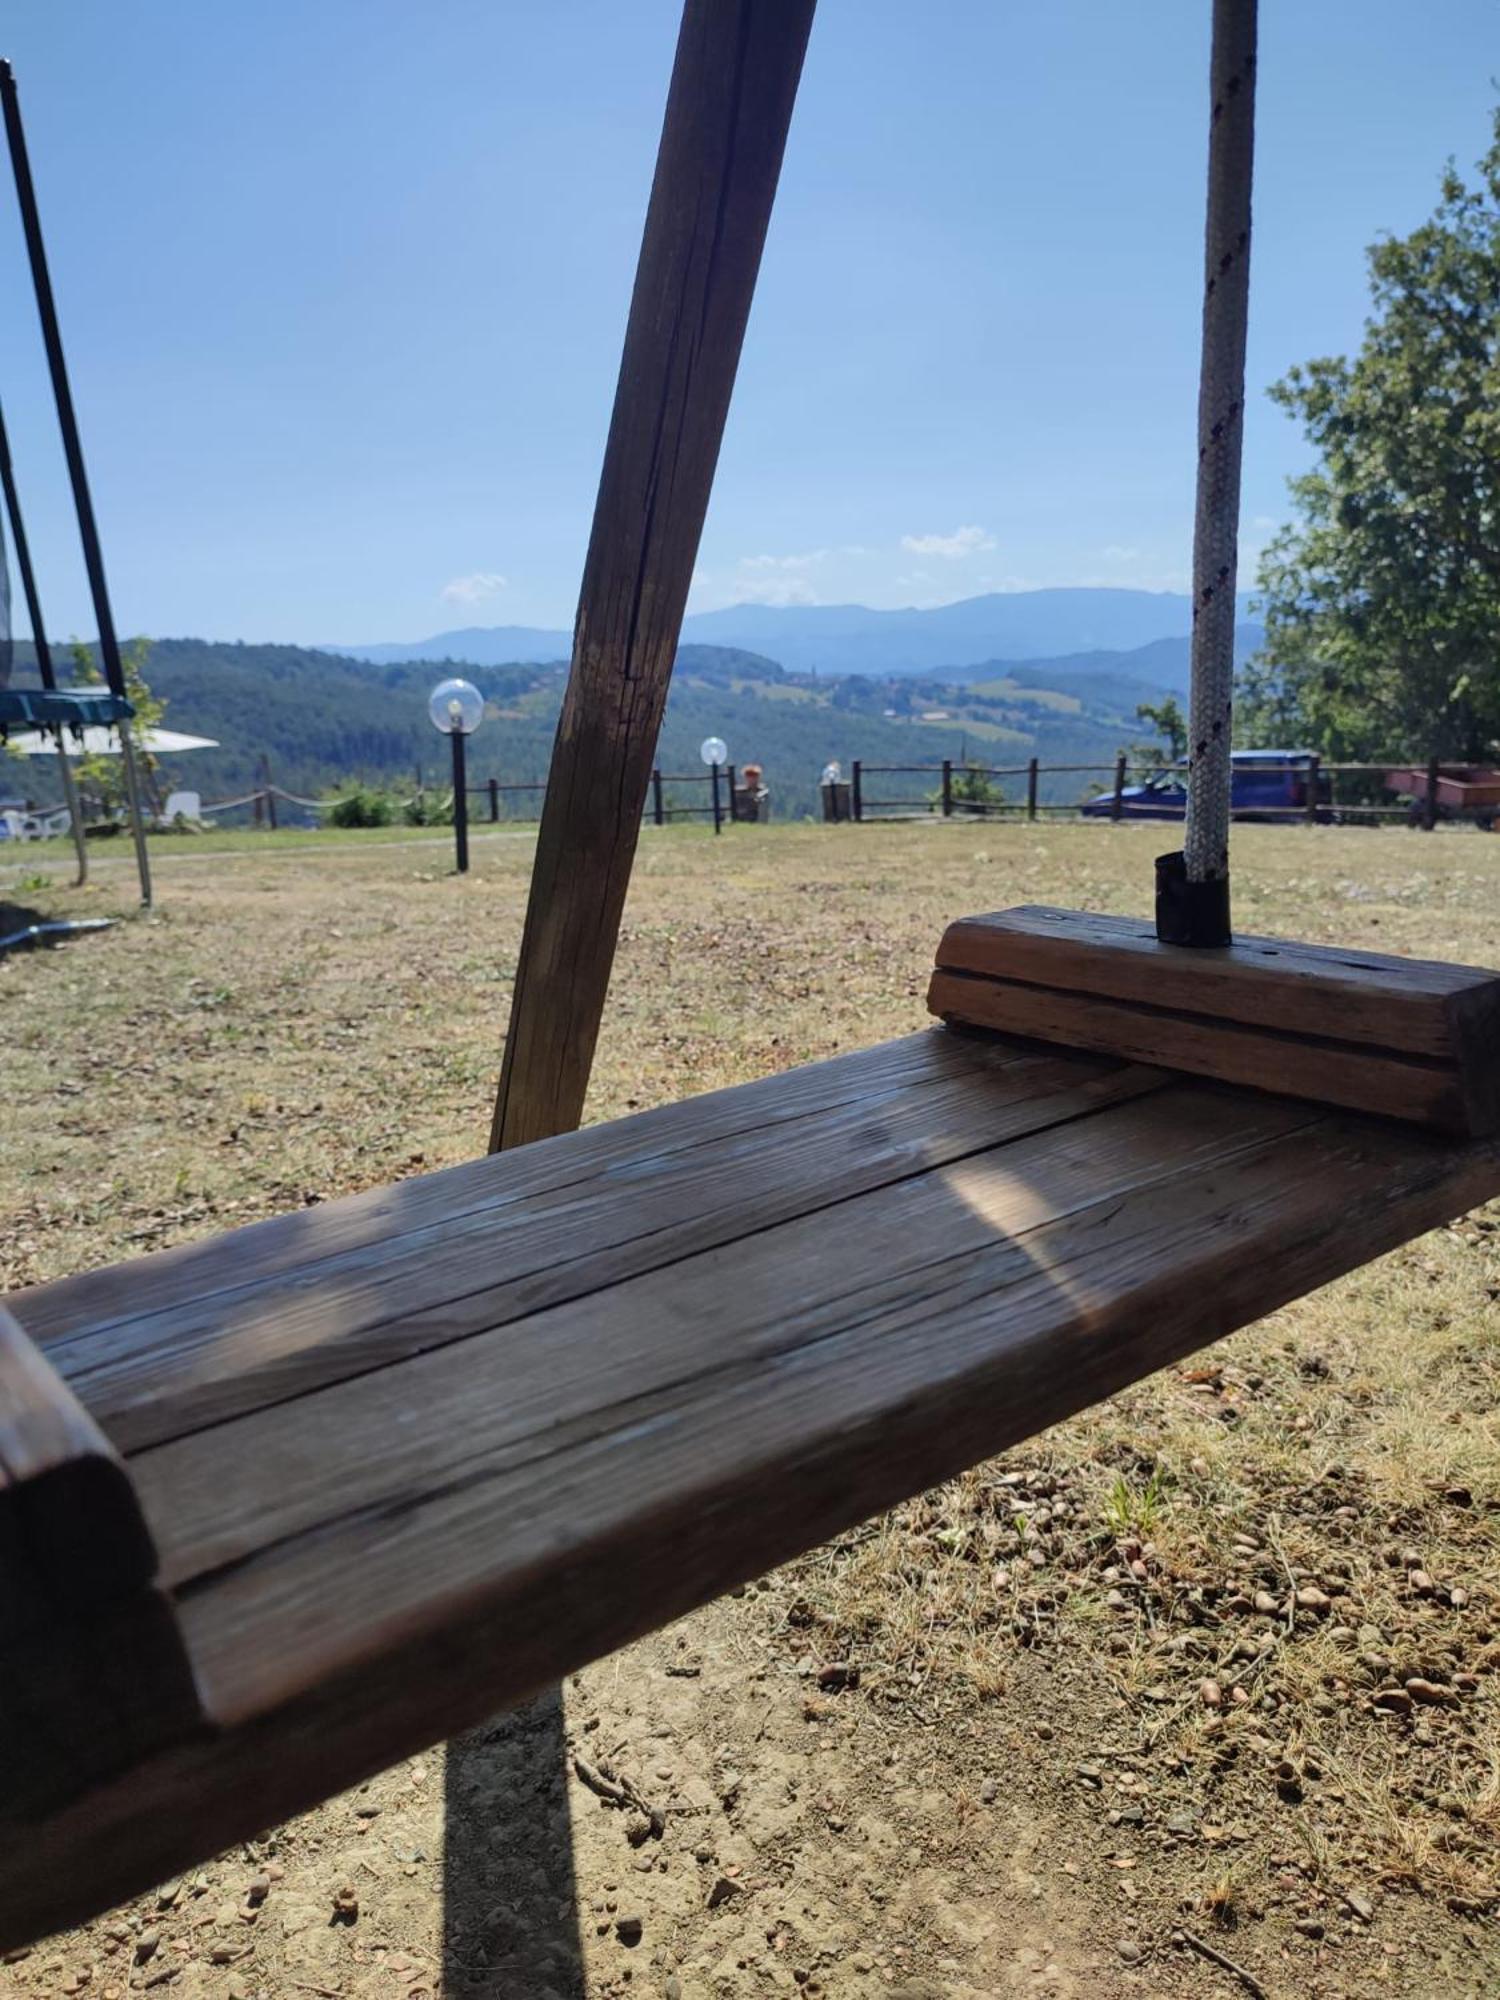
(1456, 791)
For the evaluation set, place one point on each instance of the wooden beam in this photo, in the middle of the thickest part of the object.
(733, 86)
(1407, 1038)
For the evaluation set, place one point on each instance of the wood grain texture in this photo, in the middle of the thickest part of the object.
(1357, 1077)
(733, 86)
(1407, 1038)
(381, 1563)
(524, 1236)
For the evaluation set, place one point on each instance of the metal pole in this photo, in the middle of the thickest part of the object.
(656, 806)
(1314, 786)
(1430, 803)
(856, 802)
(460, 803)
(494, 800)
(1031, 774)
(947, 788)
(1117, 803)
(40, 646)
(88, 533)
(713, 773)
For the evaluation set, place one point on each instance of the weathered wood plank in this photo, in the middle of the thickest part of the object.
(155, 1376)
(378, 1443)
(733, 86)
(1356, 1077)
(858, 1356)
(91, 1301)
(1407, 1004)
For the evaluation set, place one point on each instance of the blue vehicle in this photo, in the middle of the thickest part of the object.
(1266, 784)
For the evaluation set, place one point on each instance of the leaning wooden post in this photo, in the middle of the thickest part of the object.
(734, 82)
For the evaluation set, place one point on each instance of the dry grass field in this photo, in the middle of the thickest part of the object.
(1198, 1693)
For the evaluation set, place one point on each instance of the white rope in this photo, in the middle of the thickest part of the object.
(1221, 428)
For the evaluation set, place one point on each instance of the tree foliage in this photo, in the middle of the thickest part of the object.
(101, 777)
(1171, 726)
(1382, 599)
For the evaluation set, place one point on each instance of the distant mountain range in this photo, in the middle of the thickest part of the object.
(1149, 628)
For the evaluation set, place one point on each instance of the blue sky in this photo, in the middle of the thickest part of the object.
(344, 282)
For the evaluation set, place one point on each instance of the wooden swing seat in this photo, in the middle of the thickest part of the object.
(407, 1457)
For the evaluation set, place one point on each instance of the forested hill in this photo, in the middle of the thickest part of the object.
(319, 719)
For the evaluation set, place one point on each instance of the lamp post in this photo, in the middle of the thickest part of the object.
(715, 753)
(457, 709)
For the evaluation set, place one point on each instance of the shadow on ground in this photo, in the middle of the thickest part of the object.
(509, 1901)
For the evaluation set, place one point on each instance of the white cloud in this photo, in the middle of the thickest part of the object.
(775, 587)
(776, 579)
(962, 542)
(472, 589)
(1115, 554)
(809, 561)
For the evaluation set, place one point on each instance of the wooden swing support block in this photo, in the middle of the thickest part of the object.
(1404, 1038)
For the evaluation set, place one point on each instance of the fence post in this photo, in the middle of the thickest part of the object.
(1430, 803)
(1117, 804)
(947, 788)
(656, 812)
(856, 805)
(1314, 786)
(494, 800)
(1031, 770)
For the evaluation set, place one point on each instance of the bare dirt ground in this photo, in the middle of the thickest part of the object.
(1198, 1694)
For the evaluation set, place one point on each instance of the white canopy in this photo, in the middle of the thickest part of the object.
(99, 740)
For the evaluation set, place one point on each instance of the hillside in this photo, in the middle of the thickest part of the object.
(319, 719)
(837, 639)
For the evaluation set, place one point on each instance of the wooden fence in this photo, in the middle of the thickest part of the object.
(1421, 792)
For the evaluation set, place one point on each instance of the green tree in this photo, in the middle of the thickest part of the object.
(1382, 599)
(972, 790)
(101, 778)
(1171, 726)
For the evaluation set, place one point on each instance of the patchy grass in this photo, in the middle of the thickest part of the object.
(1263, 1562)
